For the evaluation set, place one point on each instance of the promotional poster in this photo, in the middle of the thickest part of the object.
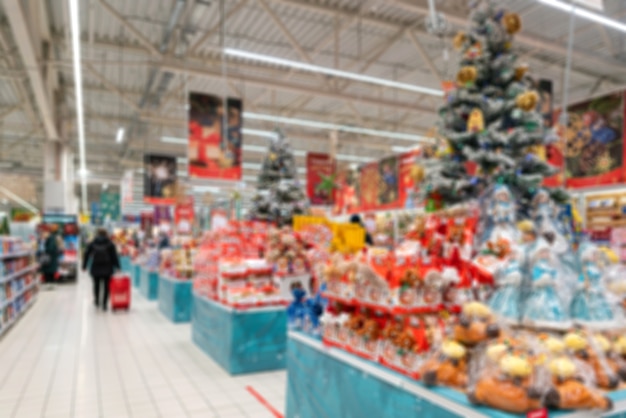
(319, 166)
(159, 179)
(211, 155)
(592, 144)
(184, 215)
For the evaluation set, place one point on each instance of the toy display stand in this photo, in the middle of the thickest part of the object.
(125, 264)
(328, 382)
(240, 340)
(175, 298)
(135, 274)
(149, 283)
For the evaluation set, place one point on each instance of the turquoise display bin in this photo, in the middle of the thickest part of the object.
(241, 341)
(175, 298)
(329, 382)
(125, 264)
(149, 284)
(135, 273)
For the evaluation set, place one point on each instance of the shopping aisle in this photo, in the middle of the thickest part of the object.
(67, 359)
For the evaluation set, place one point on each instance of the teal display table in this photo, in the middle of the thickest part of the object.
(125, 264)
(149, 284)
(135, 274)
(175, 298)
(241, 341)
(329, 382)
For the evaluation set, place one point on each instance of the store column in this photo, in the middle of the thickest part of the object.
(58, 179)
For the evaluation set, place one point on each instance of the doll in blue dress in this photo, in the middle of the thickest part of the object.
(589, 305)
(543, 307)
(501, 214)
(505, 300)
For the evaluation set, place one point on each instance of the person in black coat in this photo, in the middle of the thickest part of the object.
(101, 256)
(356, 219)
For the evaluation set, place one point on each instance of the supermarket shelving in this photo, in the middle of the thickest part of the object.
(16, 317)
(19, 273)
(20, 293)
(16, 254)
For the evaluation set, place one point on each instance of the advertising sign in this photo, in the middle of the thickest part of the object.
(318, 167)
(159, 179)
(214, 152)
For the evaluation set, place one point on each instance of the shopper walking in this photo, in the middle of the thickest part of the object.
(49, 256)
(101, 256)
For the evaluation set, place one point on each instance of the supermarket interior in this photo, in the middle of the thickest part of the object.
(312, 208)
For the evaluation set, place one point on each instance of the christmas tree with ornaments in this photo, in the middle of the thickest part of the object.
(279, 193)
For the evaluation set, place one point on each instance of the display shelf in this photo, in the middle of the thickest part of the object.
(175, 298)
(240, 340)
(125, 264)
(17, 316)
(327, 381)
(149, 284)
(16, 254)
(19, 273)
(135, 273)
(4, 304)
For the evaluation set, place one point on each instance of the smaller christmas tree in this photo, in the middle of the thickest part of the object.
(279, 194)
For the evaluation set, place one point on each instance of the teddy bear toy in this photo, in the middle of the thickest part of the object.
(370, 334)
(569, 392)
(390, 335)
(476, 324)
(511, 387)
(605, 377)
(448, 367)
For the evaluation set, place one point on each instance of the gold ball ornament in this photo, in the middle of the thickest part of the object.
(466, 75)
(459, 40)
(527, 101)
(512, 23)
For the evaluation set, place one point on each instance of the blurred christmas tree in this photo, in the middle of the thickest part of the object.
(490, 119)
(279, 194)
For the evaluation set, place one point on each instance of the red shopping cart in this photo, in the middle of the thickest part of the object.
(119, 292)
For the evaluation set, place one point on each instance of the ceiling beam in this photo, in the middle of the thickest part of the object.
(21, 34)
(132, 29)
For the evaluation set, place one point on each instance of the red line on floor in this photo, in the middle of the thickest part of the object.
(264, 402)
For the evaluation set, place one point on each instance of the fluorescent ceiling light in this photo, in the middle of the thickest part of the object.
(83, 173)
(206, 189)
(257, 132)
(585, 14)
(78, 82)
(174, 140)
(120, 135)
(330, 71)
(336, 127)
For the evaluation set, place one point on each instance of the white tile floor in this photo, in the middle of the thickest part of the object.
(65, 359)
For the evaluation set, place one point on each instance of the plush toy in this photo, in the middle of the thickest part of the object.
(569, 392)
(520, 72)
(448, 367)
(512, 388)
(476, 121)
(527, 101)
(512, 23)
(459, 40)
(370, 333)
(619, 356)
(579, 345)
(296, 311)
(476, 324)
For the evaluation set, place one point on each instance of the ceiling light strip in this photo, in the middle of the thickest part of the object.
(78, 82)
(232, 52)
(336, 127)
(585, 14)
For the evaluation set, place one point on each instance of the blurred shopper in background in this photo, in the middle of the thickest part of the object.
(49, 256)
(102, 260)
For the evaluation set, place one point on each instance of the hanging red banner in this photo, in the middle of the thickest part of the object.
(211, 156)
(319, 166)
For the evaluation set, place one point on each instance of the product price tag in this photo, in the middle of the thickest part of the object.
(538, 413)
